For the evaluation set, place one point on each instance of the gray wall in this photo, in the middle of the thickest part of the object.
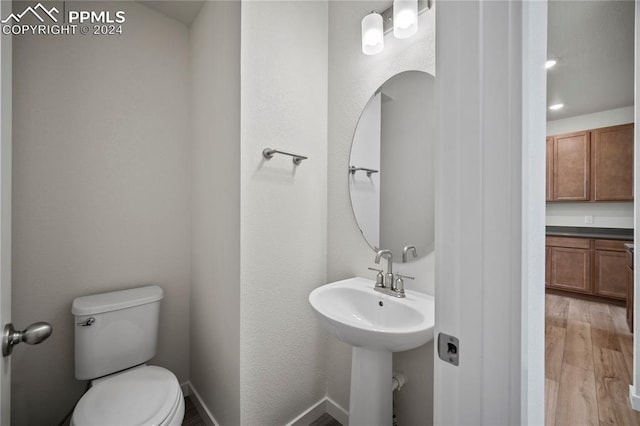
(215, 288)
(284, 208)
(101, 191)
(353, 78)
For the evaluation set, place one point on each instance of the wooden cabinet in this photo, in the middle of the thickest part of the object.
(549, 173)
(612, 163)
(547, 264)
(571, 167)
(570, 264)
(591, 267)
(610, 279)
(593, 165)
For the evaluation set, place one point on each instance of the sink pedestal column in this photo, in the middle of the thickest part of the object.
(371, 398)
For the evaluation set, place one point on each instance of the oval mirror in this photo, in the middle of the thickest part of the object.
(391, 166)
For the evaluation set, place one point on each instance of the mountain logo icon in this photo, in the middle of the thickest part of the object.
(34, 11)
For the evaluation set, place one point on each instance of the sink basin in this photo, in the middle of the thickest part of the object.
(356, 314)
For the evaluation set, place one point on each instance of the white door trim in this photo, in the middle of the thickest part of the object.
(5, 209)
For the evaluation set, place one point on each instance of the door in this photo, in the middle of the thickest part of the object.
(5, 211)
(490, 187)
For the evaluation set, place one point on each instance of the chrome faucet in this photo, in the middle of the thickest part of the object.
(388, 278)
(406, 250)
(387, 283)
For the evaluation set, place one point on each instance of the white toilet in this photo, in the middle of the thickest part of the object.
(115, 334)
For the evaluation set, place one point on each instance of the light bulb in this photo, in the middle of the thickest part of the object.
(372, 34)
(405, 18)
(556, 107)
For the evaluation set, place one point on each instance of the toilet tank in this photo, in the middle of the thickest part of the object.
(115, 331)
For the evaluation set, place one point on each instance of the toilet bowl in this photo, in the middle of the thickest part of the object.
(116, 333)
(146, 395)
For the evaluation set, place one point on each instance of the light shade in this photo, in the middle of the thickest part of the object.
(405, 18)
(372, 34)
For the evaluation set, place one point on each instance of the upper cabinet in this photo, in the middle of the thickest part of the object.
(595, 165)
(612, 163)
(571, 166)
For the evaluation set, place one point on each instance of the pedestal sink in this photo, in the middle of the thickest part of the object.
(376, 325)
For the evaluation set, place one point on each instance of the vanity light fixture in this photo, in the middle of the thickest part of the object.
(401, 17)
(550, 63)
(405, 18)
(556, 107)
(372, 34)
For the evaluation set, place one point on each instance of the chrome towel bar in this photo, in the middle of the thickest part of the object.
(354, 169)
(268, 154)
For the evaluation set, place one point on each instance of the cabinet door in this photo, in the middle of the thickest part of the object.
(571, 167)
(570, 269)
(610, 274)
(550, 168)
(612, 163)
(630, 298)
(547, 266)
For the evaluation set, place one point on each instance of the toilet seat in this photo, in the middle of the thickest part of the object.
(148, 395)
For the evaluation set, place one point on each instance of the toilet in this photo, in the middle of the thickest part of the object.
(115, 335)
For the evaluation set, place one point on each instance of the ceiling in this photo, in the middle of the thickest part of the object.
(593, 43)
(184, 11)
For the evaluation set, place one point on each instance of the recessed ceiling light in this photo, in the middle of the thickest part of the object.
(556, 107)
(550, 63)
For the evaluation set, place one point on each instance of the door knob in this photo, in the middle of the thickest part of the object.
(34, 334)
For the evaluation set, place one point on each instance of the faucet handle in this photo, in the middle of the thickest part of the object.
(379, 277)
(405, 276)
(398, 285)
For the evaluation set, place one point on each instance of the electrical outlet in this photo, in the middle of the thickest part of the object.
(588, 220)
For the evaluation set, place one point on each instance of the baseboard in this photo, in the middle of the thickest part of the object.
(184, 387)
(309, 415)
(337, 412)
(204, 412)
(634, 398)
(325, 405)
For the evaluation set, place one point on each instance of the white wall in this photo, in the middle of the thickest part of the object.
(607, 118)
(101, 191)
(353, 78)
(605, 215)
(215, 288)
(283, 208)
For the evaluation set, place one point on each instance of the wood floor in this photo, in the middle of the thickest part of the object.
(191, 416)
(589, 355)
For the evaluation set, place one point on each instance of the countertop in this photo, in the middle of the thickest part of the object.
(584, 232)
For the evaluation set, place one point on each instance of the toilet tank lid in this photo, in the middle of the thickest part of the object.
(115, 300)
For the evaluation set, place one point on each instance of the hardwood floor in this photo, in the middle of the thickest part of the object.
(191, 416)
(589, 355)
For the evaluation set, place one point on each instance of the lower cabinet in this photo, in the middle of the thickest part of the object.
(587, 266)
